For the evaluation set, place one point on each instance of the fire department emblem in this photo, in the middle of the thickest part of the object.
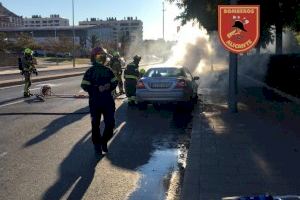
(238, 27)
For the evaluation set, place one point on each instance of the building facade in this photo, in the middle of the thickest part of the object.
(38, 21)
(126, 30)
(9, 19)
(41, 35)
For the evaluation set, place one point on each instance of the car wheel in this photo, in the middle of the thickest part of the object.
(187, 106)
(195, 99)
(156, 106)
(142, 105)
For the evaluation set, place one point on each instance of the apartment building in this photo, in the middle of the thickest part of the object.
(38, 21)
(9, 19)
(128, 29)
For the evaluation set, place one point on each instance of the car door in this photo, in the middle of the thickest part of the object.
(194, 84)
(189, 80)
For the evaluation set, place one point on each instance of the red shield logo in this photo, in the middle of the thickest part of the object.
(239, 27)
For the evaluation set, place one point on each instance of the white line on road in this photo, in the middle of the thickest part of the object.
(8, 104)
(2, 88)
(3, 154)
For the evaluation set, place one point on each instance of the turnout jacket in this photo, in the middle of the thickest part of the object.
(28, 63)
(95, 76)
(132, 72)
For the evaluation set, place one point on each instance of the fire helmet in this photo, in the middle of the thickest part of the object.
(137, 58)
(116, 54)
(28, 51)
(98, 51)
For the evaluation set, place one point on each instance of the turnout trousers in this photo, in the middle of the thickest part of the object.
(130, 89)
(108, 112)
(27, 83)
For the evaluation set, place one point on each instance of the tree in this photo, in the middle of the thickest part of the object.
(94, 40)
(3, 42)
(278, 13)
(24, 41)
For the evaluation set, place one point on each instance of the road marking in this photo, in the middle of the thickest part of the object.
(50, 84)
(3, 154)
(21, 85)
(2, 88)
(8, 104)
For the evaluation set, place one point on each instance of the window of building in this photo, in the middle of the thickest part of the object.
(56, 21)
(37, 22)
(135, 24)
(124, 24)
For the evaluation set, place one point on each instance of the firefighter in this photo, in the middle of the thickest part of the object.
(116, 66)
(131, 75)
(99, 81)
(27, 68)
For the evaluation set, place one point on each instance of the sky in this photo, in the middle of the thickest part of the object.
(149, 11)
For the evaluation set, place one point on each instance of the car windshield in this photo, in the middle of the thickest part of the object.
(164, 72)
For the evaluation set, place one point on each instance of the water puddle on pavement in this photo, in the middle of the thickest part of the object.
(161, 176)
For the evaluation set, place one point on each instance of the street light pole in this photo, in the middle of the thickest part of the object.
(163, 20)
(232, 96)
(73, 34)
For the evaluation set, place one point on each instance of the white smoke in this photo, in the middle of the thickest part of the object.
(202, 54)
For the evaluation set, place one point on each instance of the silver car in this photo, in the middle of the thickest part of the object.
(167, 85)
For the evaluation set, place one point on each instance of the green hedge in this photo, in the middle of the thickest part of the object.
(283, 73)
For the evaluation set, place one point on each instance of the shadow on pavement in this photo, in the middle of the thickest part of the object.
(43, 113)
(78, 168)
(143, 131)
(58, 124)
(130, 148)
(247, 153)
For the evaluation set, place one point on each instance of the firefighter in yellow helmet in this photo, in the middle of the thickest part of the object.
(27, 67)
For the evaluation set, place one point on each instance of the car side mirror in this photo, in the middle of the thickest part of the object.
(196, 78)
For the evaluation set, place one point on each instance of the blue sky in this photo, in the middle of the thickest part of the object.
(149, 11)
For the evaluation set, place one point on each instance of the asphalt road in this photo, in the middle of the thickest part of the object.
(41, 73)
(46, 150)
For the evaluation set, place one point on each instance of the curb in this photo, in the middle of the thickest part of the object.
(191, 185)
(45, 78)
(39, 79)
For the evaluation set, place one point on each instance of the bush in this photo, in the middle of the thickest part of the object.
(284, 73)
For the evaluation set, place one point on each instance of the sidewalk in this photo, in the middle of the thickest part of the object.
(251, 152)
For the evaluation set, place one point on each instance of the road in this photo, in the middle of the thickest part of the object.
(46, 150)
(42, 73)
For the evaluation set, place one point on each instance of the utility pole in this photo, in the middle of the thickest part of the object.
(232, 96)
(73, 35)
(163, 20)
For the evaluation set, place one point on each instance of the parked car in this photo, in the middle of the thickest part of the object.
(167, 85)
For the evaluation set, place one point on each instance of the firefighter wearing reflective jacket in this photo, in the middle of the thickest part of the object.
(26, 66)
(116, 66)
(99, 81)
(131, 75)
